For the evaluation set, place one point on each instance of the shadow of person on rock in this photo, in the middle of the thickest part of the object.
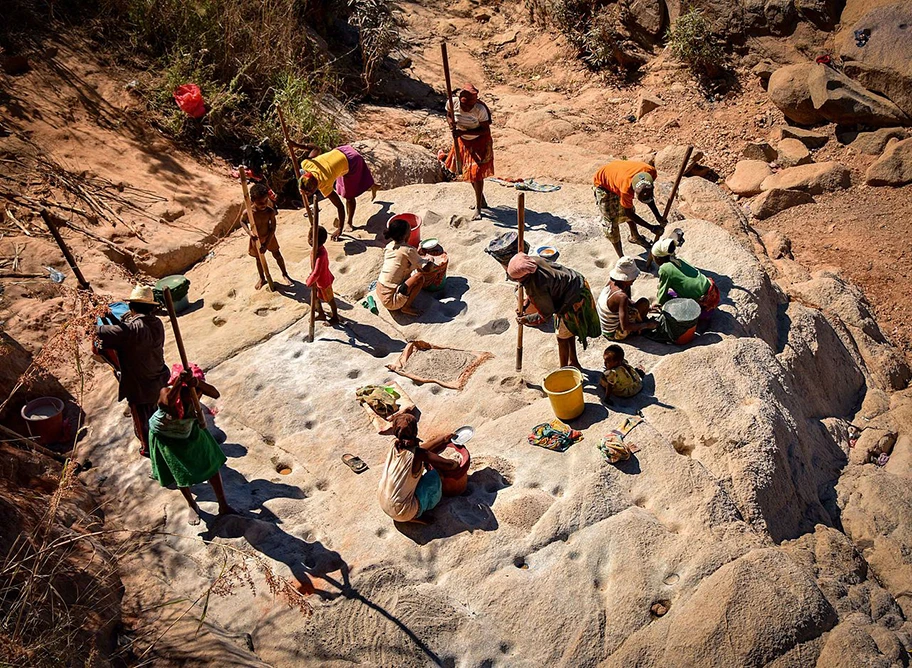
(535, 220)
(308, 562)
(246, 496)
(437, 307)
(470, 511)
(368, 338)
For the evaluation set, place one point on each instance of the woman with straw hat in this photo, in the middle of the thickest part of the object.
(677, 278)
(620, 316)
(139, 341)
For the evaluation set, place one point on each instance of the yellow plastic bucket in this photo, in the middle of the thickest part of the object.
(564, 388)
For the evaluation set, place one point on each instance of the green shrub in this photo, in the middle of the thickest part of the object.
(378, 34)
(692, 42)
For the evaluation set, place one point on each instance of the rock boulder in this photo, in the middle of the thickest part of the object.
(748, 177)
(759, 150)
(773, 201)
(668, 160)
(396, 163)
(792, 153)
(884, 63)
(808, 94)
(809, 138)
(874, 143)
(894, 167)
(813, 179)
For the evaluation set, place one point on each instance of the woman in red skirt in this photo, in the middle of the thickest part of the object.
(471, 125)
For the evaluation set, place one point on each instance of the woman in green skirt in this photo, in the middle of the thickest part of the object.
(182, 452)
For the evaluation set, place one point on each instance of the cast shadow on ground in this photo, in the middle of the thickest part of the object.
(247, 496)
(376, 224)
(470, 511)
(536, 221)
(437, 307)
(296, 290)
(635, 404)
(369, 339)
(307, 562)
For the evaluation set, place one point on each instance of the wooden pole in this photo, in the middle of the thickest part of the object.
(252, 230)
(169, 304)
(313, 216)
(449, 92)
(52, 228)
(521, 297)
(668, 203)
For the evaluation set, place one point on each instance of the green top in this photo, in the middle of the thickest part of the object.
(684, 279)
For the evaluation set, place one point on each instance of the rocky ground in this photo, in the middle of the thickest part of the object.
(753, 526)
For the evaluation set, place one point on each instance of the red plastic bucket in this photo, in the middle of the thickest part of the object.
(414, 225)
(455, 482)
(44, 419)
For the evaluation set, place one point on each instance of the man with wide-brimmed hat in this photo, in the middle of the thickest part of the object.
(615, 185)
(139, 340)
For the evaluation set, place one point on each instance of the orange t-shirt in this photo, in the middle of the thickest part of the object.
(616, 177)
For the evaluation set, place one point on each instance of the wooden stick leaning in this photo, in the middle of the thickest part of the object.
(314, 218)
(194, 397)
(668, 203)
(252, 230)
(449, 92)
(52, 228)
(521, 297)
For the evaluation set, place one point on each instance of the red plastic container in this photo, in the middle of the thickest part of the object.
(44, 419)
(455, 482)
(414, 225)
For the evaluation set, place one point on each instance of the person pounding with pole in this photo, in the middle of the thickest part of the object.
(615, 185)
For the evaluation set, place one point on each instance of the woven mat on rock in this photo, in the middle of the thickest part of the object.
(424, 362)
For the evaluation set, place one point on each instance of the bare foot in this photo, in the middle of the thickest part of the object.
(288, 278)
(374, 189)
(335, 236)
(194, 516)
(477, 215)
(320, 316)
(227, 510)
(258, 285)
(334, 320)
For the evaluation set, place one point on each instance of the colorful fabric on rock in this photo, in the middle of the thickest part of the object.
(554, 435)
(581, 318)
(181, 452)
(623, 381)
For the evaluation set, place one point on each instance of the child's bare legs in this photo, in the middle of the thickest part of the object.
(350, 204)
(195, 518)
(262, 281)
(224, 508)
(318, 306)
(334, 319)
(281, 262)
(414, 284)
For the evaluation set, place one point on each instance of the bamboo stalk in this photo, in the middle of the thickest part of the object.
(252, 230)
(668, 203)
(521, 228)
(449, 92)
(32, 444)
(194, 397)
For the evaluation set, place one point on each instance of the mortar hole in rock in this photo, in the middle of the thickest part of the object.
(262, 311)
(283, 469)
(520, 563)
(217, 306)
(354, 373)
(505, 647)
(218, 321)
(672, 578)
(682, 447)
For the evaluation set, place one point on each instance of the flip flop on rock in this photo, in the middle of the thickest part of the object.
(354, 463)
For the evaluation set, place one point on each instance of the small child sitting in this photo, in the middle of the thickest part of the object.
(619, 378)
(321, 278)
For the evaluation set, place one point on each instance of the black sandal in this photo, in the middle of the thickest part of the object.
(356, 464)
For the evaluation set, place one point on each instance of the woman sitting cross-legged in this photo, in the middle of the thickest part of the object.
(182, 452)
(406, 490)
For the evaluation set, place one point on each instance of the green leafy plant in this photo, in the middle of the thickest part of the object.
(691, 41)
(378, 34)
